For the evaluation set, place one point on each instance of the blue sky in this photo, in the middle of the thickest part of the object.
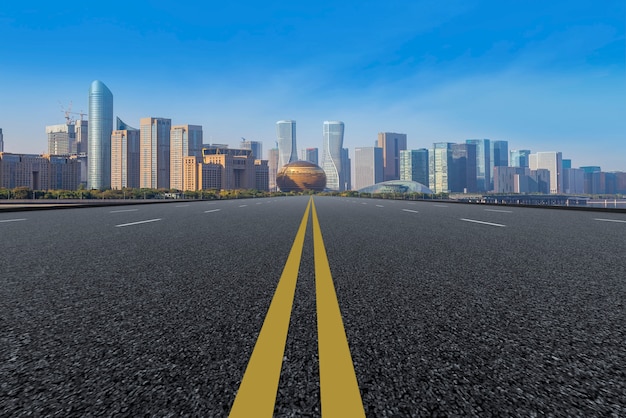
(544, 75)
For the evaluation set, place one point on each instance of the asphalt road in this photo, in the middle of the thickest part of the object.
(449, 310)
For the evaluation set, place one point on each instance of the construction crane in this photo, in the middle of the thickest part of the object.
(67, 112)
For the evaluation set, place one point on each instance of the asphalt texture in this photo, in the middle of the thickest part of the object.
(444, 316)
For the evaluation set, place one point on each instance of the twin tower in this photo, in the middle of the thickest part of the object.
(331, 150)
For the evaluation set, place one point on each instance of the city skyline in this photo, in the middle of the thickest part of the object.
(545, 78)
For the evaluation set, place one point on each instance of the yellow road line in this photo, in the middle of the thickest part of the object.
(257, 392)
(339, 389)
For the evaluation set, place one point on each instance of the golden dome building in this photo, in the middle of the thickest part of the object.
(300, 176)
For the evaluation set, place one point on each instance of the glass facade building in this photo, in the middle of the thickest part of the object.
(100, 128)
(391, 143)
(331, 155)
(286, 138)
(368, 167)
(483, 163)
(414, 165)
(519, 158)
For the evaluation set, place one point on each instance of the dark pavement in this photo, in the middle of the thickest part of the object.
(520, 315)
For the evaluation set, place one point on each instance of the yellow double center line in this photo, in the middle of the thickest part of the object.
(339, 390)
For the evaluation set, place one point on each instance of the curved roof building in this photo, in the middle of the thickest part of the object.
(396, 186)
(331, 154)
(100, 128)
(286, 138)
(300, 176)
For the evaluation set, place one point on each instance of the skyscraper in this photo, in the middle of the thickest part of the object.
(185, 141)
(61, 139)
(255, 146)
(368, 167)
(286, 138)
(551, 161)
(331, 154)
(100, 128)
(414, 165)
(462, 173)
(519, 158)
(155, 153)
(124, 156)
(439, 165)
(499, 154)
(311, 155)
(1, 141)
(391, 143)
(483, 163)
(272, 162)
(346, 169)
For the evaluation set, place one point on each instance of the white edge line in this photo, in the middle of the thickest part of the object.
(609, 220)
(137, 223)
(481, 222)
(13, 220)
(242, 206)
(440, 206)
(124, 210)
(410, 210)
(379, 206)
(212, 210)
(497, 210)
(182, 206)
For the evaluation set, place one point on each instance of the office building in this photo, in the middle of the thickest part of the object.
(1, 141)
(439, 167)
(238, 167)
(262, 175)
(125, 156)
(311, 155)
(61, 139)
(81, 136)
(39, 172)
(551, 161)
(368, 167)
(154, 138)
(272, 163)
(573, 180)
(391, 143)
(331, 154)
(483, 163)
(519, 158)
(185, 141)
(255, 146)
(414, 165)
(100, 128)
(346, 169)
(499, 154)
(462, 172)
(286, 139)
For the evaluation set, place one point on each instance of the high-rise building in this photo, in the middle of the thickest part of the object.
(311, 155)
(238, 167)
(185, 141)
(125, 159)
(414, 165)
(391, 143)
(81, 132)
(61, 139)
(551, 161)
(155, 153)
(272, 163)
(346, 169)
(499, 154)
(483, 163)
(462, 173)
(100, 128)
(368, 167)
(331, 154)
(1, 141)
(255, 146)
(519, 158)
(567, 163)
(573, 180)
(439, 167)
(286, 138)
